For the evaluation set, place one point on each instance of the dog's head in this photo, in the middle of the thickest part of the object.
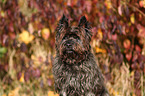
(72, 42)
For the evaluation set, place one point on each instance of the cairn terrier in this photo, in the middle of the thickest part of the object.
(75, 70)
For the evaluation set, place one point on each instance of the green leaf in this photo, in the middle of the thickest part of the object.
(3, 50)
(1, 55)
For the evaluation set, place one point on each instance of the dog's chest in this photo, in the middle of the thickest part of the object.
(76, 78)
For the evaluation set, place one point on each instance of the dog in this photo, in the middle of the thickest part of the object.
(74, 68)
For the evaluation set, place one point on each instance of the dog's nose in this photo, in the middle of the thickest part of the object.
(68, 45)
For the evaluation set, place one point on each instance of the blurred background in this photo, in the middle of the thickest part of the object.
(27, 38)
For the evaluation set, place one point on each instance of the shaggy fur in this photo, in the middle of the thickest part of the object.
(75, 70)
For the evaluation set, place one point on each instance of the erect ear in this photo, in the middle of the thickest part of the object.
(64, 21)
(83, 22)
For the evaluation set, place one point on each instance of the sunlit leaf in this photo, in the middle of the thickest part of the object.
(100, 34)
(51, 93)
(132, 73)
(99, 50)
(115, 93)
(133, 94)
(108, 4)
(132, 19)
(22, 78)
(112, 91)
(26, 37)
(45, 33)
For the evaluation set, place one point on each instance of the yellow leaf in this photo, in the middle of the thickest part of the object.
(33, 57)
(26, 37)
(100, 34)
(31, 37)
(2, 13)
(51, 93)
(108, 4)
(132, 73)
(99, 50)
(45, 33)
(132, 19)
(115, 93)
(22, 78)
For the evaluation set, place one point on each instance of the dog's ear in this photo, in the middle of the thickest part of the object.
(84, 23)
(63, 21)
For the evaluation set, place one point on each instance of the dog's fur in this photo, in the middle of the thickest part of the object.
(75, 70)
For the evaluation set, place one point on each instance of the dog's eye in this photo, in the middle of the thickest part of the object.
(65, 37)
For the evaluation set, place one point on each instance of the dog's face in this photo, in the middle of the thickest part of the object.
(72, 42)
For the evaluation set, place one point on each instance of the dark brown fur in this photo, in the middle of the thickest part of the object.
(75, 70)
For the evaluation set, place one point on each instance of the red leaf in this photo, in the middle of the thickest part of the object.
(11, 28)
(88, 5)
(128, 56)
(127, 43)
(141, 31)
(114, 37)
(137, 48)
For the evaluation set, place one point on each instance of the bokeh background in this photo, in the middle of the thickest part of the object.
(27, 38)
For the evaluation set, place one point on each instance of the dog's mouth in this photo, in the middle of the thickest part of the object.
(69, 51)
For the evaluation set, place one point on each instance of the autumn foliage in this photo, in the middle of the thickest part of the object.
(27, 31)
